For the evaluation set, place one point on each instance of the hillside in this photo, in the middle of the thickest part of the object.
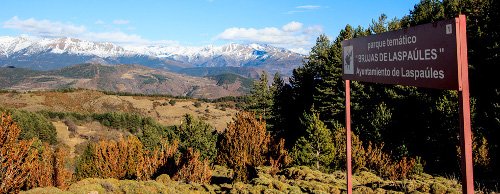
(228, 79)
(167, 111)
(119, 78)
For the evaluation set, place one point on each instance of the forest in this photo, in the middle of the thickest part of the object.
(405, 122)
(400, 132)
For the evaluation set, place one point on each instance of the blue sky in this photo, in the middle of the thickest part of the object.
(291, 24)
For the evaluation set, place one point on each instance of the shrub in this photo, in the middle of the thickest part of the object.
(62, 176)
(243, 145)
(385, 166)
(197, 104)
(195, 133)
(15, 158)
(480, 153)
(172, 102)
(192, 169)
(123, 159)
(71, 127)
(49, 168)
(372, 157)
(278, 156)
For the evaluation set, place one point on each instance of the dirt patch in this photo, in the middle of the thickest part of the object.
(87, 132)
(63, 136)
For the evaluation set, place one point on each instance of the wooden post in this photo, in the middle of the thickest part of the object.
(464, 108)
(348, 134)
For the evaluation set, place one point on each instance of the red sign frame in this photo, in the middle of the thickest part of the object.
(456, 77)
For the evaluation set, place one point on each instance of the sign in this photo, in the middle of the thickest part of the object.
(424, 56)
(430, 55)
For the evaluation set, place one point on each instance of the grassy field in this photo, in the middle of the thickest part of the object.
(289, 180)
(88, 101)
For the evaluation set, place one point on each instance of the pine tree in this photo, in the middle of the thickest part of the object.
(261, 97)
(196, 134)
(281, 107)
(316, 148)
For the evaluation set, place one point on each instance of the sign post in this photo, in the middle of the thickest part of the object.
(430, 55)
(464, 106)
(348, 134)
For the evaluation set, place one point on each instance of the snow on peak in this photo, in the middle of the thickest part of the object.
(27, 45)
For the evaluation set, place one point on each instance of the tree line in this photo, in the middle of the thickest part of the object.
(406, 122)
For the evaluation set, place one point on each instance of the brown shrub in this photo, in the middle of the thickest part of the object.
(385, 166)
(15, 158)
(62, 176)
(42, 168)
(357, 150)
(23, 165)
(49, 168)
(160, 160)
(191, 169)
(278, 156)
(124, 159)
(117, 159)
(244, 145)
(372, 157)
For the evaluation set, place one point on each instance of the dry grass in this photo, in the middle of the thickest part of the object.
(87, 101)
(85, 133)
(63, 136)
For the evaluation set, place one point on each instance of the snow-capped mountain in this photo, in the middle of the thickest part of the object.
(25, 45)
(52, 53)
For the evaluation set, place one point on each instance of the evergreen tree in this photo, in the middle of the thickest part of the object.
(196, 134)
(316, 148)
(281, 107)
(261, 97)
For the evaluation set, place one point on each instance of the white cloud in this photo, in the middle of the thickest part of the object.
(309, 7)
(304, 8)
(99, 22)
(314, 30)
(299, 50)
(292, 26)
(290, 36)
(47, 28)
(120, 22)
(43, 27)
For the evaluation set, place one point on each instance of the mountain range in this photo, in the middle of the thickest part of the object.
(125, 79)
(54, 53)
